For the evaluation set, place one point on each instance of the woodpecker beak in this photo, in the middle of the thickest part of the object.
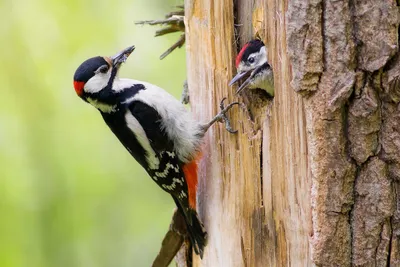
(239, 76)
(253, 74)
(122, 56)
(244, 84)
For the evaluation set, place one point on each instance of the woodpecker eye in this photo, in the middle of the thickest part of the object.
(251, 60)
(102, 69)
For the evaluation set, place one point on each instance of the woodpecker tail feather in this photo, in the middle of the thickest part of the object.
(196, 232)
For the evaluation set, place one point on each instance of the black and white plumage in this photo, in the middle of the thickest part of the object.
(251, 63)
(154, 127)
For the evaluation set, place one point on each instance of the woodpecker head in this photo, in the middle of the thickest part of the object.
(251, 63)
(98, 73)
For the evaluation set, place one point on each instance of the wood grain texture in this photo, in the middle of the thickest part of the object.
(254, 191)
(312, 178)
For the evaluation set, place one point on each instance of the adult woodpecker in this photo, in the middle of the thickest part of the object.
(251, 62)
(154, 127)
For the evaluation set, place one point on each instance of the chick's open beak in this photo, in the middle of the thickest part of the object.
(239, 76)
(121, 57)
(251, 76)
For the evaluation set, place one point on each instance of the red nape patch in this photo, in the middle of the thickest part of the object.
(190, 171)
(240, 55)
(79, 87)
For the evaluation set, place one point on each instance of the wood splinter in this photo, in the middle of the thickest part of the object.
(174, 22)
(175, 243)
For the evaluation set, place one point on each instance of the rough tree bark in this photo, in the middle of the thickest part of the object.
(312, 178)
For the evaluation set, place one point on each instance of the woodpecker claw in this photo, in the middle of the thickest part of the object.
(221, 117)
(225, 118)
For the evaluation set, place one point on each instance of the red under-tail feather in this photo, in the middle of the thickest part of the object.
(190, 171)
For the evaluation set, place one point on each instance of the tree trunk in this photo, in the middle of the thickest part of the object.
(312, 177)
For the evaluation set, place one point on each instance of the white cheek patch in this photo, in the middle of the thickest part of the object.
(263, 54)
(97, 82)
(260, 58)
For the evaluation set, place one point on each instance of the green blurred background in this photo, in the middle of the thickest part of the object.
(70, 194)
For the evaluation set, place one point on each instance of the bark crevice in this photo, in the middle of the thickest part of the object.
(359, 40)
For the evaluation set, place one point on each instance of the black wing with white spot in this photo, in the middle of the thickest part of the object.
(150, 120)
(169, 176)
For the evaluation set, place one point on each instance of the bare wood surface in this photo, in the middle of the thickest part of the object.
(254, 192)
(221, 195)
(312, 177)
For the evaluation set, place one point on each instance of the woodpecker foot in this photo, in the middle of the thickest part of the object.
(185, 98)
(221, 117)
(174, 22)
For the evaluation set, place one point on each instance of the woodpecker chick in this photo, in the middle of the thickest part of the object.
(155, 128)
(251, 63)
